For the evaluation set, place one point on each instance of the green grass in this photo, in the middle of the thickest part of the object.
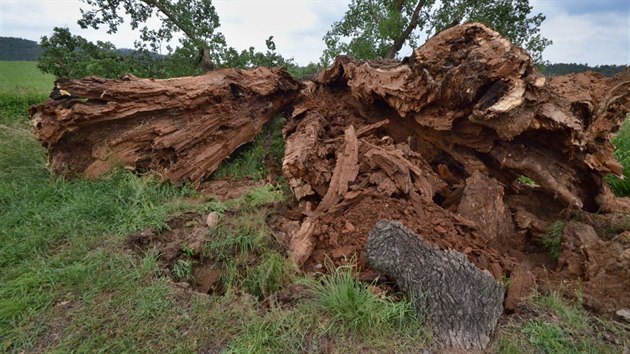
(621, 187)
(356, 309)
(559, 326)
(249, 160)
(23, 78)
(22, 85)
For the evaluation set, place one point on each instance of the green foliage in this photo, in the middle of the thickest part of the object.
(376, 29)
(621, 187)
(249, 160)
(355, 308)
(197, 20)
(552, 240)
(69, 56)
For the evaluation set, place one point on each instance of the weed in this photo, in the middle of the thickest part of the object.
(355, 308)
(547, 337)
(527, 181)
(552, 240)
(249, 160)
(270, 275)
(182, 269)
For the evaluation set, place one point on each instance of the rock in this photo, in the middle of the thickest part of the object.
(212, 219)
(624, 315)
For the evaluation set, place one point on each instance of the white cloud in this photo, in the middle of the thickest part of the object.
(600, 36)
(597, 38)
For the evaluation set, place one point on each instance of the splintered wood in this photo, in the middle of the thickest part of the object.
(181, 128)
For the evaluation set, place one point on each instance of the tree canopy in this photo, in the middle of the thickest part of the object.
(373, 29)
(196, 19)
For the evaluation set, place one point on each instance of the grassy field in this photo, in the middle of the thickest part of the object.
(70, 283)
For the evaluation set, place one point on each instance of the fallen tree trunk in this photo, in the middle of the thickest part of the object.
(464, 143)
(180, 128)
(466, 104)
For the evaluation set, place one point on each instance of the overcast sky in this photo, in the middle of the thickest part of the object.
(583, 31)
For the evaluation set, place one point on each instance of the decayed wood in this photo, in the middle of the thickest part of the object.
(465, 116)
(181, 128)
(462, 303)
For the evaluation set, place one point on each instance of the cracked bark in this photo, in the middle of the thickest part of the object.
(462, 303)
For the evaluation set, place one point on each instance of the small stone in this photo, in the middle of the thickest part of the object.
(212, 219)
(624, 315)
(319, 266)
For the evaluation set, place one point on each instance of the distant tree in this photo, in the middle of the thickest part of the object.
(69, 56)
(196, 19)
(18, 49)
(373, 29)
(573, 68)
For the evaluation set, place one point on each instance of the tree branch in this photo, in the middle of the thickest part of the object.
(398, 43)
(204, 51)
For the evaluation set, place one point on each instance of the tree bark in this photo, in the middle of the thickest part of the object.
(462, 303)
(181, 128)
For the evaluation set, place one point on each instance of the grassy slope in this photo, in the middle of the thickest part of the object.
(68, 283)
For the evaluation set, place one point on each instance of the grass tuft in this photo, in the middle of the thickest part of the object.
(353, 307)
(249, 160)
(552, 240)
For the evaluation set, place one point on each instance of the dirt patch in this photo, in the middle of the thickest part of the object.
(180, 251)
(226, 189)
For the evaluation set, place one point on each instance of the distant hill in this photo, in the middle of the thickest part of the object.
(19, 49)
(564, 69)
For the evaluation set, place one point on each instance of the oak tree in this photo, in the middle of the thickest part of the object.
(196, 19)
(372, 29)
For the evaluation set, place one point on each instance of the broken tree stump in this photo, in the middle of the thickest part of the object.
(461, 302)
(180, 128)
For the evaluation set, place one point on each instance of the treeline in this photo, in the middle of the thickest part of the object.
(69, 56)
(19, 49)
(573, 68)
(83, 58)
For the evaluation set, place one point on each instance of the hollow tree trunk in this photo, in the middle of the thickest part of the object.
(181, 128)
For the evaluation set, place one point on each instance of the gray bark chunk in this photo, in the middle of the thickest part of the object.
(462, 303)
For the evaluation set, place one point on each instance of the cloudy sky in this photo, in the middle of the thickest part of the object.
(584, 31)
